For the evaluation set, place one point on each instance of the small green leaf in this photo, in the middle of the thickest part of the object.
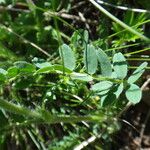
(134, 94)
(67, 57)
(40, 63)
(54, 69)
(12, 72)
(90, 59)
(60, 69)
(119, 90)
(75, 39)
(108, 99)
(24, 67)
(137, 73)
(105, 65)
(45, 69)
(120, 65)
(112, 94)
(81, 77)
(102, 87)
(86, 36)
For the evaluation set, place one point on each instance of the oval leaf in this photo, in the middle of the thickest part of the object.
(81, 77)
(25, 67)
(60, 69)
(105, 65)
(53, 68)
(120, 65)
(12, 72)
(67, 56)
(43, 65)
(40, 63)
(45, 69)
(90, 59)
(137, 73)
(134, 94)
(102, 87)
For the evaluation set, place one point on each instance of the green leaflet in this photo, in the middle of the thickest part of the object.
(134, 94)
(40, 63)
(12, 72)
(75, 39)
(107, 91)
(67, 57)
(24, 67)
(86, 36)
(81, 77)
(111, 95)
(102, 87)
(90, 59)
(137, 73)
(107, 100)
(53, 68)
(120, 65)
(46, 69)
(105, 65)
(119, 90)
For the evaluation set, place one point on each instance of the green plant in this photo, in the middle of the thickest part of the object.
(55, 95)
(108, 85)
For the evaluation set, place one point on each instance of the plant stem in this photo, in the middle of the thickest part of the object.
(18, 109)
(119, 21)
(46, 117)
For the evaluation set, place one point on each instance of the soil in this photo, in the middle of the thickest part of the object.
(135, 129)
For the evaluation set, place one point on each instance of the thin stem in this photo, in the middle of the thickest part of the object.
(136, 52)
(123, 8)
(122, 47)
(119, 21)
